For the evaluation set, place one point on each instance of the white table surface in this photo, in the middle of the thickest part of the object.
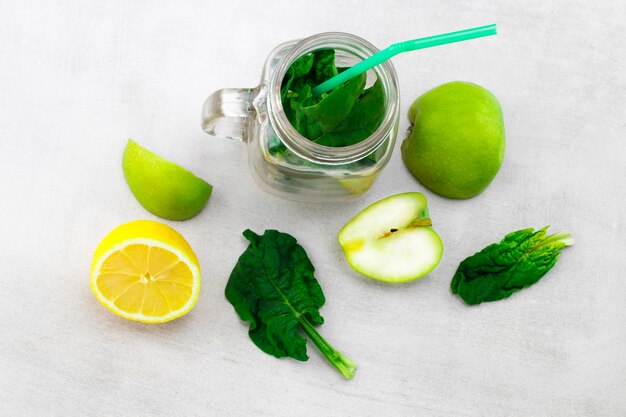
(78, 78)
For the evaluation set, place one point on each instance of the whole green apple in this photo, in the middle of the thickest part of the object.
(456, 146)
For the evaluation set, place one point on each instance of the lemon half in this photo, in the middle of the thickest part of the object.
(146, 271)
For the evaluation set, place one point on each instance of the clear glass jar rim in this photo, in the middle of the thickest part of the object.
(326, 154)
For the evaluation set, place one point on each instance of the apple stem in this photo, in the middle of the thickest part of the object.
(421, 222)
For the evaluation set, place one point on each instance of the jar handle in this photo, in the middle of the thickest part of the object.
(226, 113)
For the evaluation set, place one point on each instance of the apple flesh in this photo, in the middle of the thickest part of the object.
(392, 240)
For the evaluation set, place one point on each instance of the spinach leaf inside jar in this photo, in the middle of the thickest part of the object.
(343, 117)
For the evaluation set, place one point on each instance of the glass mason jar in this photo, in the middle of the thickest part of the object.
(306, 171)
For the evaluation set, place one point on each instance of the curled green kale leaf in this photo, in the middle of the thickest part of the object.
(273, 287)
(521, 259)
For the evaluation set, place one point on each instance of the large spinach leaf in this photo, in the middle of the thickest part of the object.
(273, 287)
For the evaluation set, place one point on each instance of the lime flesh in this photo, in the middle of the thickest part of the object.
(162, 187)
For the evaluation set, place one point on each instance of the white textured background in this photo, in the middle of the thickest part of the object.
(77, 78)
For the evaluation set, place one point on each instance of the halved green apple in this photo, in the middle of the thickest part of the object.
(392, 240)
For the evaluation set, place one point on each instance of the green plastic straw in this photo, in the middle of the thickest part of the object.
(398, 48)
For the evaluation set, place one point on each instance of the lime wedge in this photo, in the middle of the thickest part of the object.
(162, 187)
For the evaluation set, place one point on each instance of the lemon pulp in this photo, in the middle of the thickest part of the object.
(146, 271)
